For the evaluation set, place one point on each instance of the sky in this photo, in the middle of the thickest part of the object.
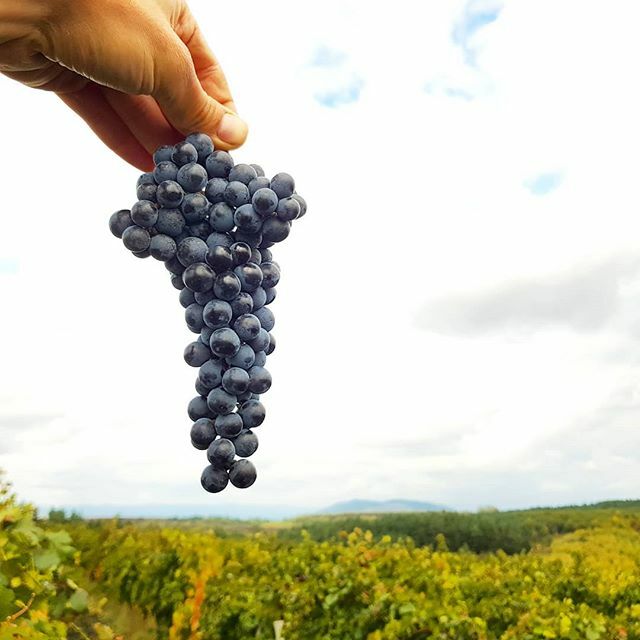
(459, 311)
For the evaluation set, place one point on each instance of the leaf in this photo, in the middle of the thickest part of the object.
(79, 601)
(46, 559)
(7, 602)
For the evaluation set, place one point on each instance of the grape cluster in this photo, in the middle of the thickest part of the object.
(212, 222)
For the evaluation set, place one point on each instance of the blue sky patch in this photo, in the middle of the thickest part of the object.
(324, 56)
(9, 266)
(342, 95)
(475, 16)
(544, 183)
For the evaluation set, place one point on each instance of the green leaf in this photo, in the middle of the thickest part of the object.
(46, 559)
(7, 602)
(79, 601)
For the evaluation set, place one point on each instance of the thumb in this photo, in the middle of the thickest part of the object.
(185, 103)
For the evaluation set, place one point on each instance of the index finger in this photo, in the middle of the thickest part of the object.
(207, 67)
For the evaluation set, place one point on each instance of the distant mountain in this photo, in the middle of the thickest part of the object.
(381, 506)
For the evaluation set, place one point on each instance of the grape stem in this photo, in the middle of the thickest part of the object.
(17, 614)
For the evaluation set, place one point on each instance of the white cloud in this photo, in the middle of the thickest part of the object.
(412, 195)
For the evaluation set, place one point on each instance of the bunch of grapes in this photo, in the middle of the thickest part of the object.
(212, 222)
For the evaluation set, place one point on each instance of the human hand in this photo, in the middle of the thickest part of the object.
(139, 72)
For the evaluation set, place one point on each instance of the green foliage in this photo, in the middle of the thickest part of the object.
(39, 598)
(583, 585)
(511, 531)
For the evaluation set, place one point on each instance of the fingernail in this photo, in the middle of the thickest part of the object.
(232, 129)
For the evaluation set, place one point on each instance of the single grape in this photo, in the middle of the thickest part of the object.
(214, 479)
(198, 408)
(243, 397)
(203, 433)
(145, 178)
(193, 317)
(264, 201)
(241, 304)
(240, 252)
(259, 297)
(261, 342)
(147, 192)
(145, 253)
(136, 238)
(242, 474)
(204, 297)
(201, 389)
(198, 277)
(256, 256)
(221, 402)
(184, 153)
(235, 381)
(246, 443)
(247, 219)
(200, 230)
(119, 221)
(266, 318)
(195, 208)
(192, 177)
(272, 344)
(258, 169)
(219, 239)
(170, 222)
(169, 194)
(176, 281)
(165, 170)
(270, 274)
(162, 247)
(221, 452)
(210, 374)
(192, 250)
(244, 173)
(252, 239)
(283, 184)
(186, 297)
(215, 189)
(250, 276)
(217, 314)
(288, 209)
(226, 286)
(219, 164)
(302, 202)
(275, 230)
(174, 266)
(258, 183)
(205, 336)
(225, 342)
(219, 258)
(163, 154)
(202, 144)
(196, 354)
(221, 217)
(259, 380)
(260, 360)
(245, 358)
(229, 426)
(271, 295)
(144, 213)
(247, 326)
(236, 194)
(266, 254)
(252, 413)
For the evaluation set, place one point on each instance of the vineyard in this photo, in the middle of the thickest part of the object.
(183, 582)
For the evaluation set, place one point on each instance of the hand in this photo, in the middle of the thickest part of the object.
(138, 71)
